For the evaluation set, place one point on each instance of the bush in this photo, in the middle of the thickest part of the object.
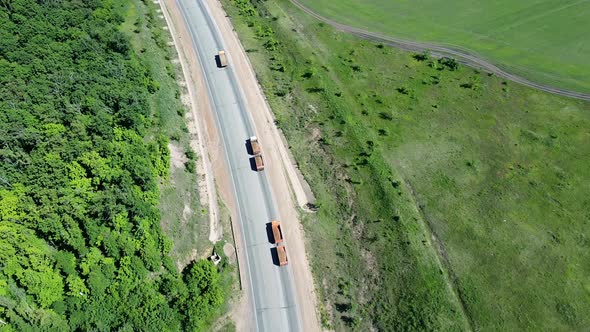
(190, 166)
(424, 56)
(190, 154)
(309, 73)
(404, 90)
(449, 63)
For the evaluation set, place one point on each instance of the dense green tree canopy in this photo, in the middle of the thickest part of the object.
(80, 241)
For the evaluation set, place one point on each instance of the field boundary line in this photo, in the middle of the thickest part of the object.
(451, 277)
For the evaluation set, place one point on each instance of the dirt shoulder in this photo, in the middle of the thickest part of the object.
(211, 150)
(287, 185)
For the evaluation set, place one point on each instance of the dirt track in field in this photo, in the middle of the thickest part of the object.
(441, 51)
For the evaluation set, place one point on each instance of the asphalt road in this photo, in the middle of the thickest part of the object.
(271, 286)
(462, 56)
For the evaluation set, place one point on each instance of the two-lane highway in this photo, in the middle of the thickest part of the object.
(272, 288)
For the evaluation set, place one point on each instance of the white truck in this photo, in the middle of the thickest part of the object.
(222, 59)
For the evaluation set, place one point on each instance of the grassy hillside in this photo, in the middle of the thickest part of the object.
(544, 40)
(448, 198)
(183, 219)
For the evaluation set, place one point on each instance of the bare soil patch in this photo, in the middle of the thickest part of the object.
(177, 156)
(230, 252)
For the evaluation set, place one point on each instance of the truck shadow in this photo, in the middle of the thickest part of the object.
(275, 256)
(218, 61)
(253, 164)
(269, 234)
(249, 147)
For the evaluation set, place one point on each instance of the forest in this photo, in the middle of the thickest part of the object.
(81, 246)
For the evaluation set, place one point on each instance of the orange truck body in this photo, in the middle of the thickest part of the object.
(255, 145)
(259, 162)
(277, 232)
(282, 253)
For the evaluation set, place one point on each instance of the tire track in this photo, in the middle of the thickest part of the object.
(441, 51)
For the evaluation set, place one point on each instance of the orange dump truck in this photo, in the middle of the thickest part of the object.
(255, 145)
(277, 233)
(259, 162)
(282, 253)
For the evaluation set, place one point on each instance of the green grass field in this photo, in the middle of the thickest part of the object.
(543, 40)
(447, 198)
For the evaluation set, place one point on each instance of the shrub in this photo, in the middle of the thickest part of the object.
(424, 56)
(190, 166)
(190, 154)
(449, 63)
